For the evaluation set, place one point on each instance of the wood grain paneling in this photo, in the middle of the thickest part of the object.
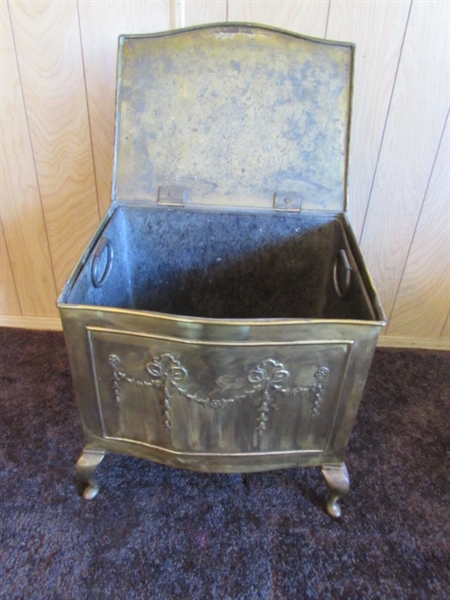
(177, 13)
(414, 126)
(423, 300)
(377, 29)
(213, 11)
(426, 343)
(21, 211)
(309, 18)
(42, 323)
(445, 335)
(101, 23)
(9, 300)
(49, 55)
(58, 87)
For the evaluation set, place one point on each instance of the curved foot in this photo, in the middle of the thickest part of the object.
(338, 482)
(85, 468)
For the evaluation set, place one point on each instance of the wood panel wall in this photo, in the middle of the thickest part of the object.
(57, 119)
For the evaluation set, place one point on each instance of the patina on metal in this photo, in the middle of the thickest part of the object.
(222, 318)
(233, 114)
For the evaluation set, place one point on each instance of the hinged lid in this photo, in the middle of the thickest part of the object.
(233, 114)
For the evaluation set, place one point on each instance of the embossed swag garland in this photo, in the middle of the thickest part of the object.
(267, 379)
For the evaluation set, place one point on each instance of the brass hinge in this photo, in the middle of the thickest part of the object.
(290, 201)
(171, 195)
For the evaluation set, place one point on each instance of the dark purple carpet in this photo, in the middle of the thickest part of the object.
(158, 533)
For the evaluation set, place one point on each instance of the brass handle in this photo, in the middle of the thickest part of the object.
(342, 274)
(104, 245)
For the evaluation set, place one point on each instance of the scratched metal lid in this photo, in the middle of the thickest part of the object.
(233, 114)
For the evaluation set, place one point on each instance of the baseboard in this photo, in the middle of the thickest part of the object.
(42, 323)
(389, 341)
(385, 341)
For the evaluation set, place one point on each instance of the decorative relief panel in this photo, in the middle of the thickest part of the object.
(266, 382)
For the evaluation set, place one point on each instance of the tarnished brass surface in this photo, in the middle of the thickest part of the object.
(338, 482)
(192, 394)
(214, 339)
(86, 465)
(233, 114)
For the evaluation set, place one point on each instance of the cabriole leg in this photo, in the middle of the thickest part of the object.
(85, 468)
(338, 482)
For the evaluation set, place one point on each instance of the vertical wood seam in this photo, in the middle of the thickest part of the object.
(88, 112)
(32, 149)
(182, 12)
(2, 231)
(418, 218)
(11, 268)
(327, 20)
(444, 324)
(177, 10)
(172, 13)
(385, 123)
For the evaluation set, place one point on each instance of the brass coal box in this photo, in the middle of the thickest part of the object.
(222, 318)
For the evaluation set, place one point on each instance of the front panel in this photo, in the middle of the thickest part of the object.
(217, 397)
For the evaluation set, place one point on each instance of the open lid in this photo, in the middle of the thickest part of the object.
(233, 114)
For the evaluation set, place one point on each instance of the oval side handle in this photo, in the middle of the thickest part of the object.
(342, 274)
(104, 245)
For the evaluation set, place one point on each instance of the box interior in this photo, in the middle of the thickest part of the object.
(226, 265)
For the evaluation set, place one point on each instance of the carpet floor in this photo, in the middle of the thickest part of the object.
(158, 533)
